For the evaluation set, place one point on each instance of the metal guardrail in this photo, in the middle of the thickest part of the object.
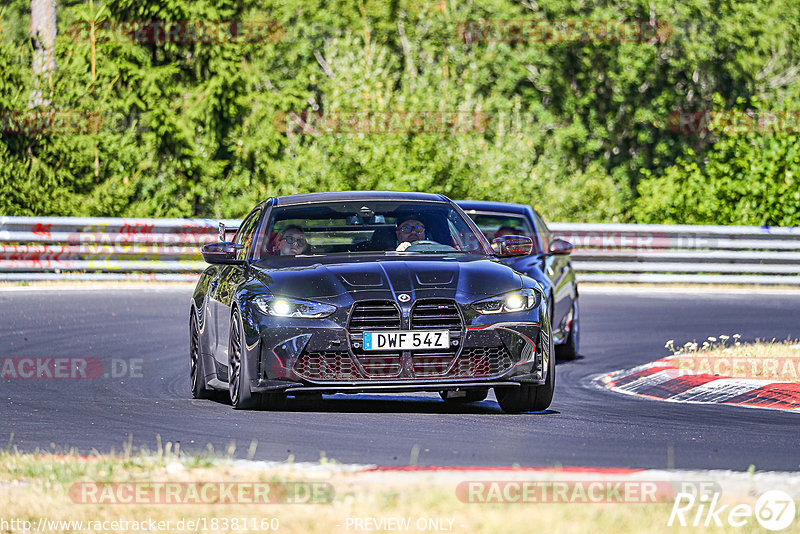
(47, 248)
(86, 248)
(655, 253)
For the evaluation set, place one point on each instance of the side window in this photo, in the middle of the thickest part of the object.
(543, 232)
(248, 230)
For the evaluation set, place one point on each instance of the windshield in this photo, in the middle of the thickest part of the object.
(368, 228)
(494, 225)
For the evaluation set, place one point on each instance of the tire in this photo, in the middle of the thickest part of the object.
(197, 369)
(569, 350)
(238, 375)
(530, 398)
(473, 395)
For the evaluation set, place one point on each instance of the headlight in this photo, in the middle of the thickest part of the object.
(286, 307)
(515, 301)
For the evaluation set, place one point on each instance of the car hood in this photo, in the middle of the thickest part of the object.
(446, 276)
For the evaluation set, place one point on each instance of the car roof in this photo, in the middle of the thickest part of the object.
(486, 205)
(344, 196)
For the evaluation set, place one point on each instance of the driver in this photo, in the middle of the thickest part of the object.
(291, 241)
(409, 229)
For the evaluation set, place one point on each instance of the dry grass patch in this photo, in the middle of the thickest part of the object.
(37, 488)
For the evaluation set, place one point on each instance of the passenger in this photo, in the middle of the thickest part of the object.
(409, 229)
(291, 241)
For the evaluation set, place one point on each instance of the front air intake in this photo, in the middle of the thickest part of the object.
(433, 314)
(372, 315)
(369, 316)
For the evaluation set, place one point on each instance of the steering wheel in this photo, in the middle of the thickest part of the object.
(426, 245)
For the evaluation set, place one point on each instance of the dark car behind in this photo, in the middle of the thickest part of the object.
(548, 263)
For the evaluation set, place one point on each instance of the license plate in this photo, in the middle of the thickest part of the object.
(407, 340)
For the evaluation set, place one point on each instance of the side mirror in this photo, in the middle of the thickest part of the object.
(223, 253)
(512, 245)
(559, 246)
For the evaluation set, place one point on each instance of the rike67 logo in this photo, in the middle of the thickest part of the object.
(774, 510)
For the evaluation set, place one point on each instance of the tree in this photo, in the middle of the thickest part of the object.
(43, 36)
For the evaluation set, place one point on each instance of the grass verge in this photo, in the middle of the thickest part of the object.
(40, 488)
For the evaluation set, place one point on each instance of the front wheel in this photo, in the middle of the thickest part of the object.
(531, 398)
(238, 376)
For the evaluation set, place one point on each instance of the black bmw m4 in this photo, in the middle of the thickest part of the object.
(379, 292)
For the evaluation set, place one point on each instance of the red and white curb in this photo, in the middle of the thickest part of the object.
(664, 380)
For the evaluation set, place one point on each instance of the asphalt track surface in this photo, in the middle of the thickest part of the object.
(586, 426)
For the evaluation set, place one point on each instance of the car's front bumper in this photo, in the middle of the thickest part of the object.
(264, 386)
(503, 354)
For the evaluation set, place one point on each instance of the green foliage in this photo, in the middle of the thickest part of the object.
(748, 179)
(577, 129)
